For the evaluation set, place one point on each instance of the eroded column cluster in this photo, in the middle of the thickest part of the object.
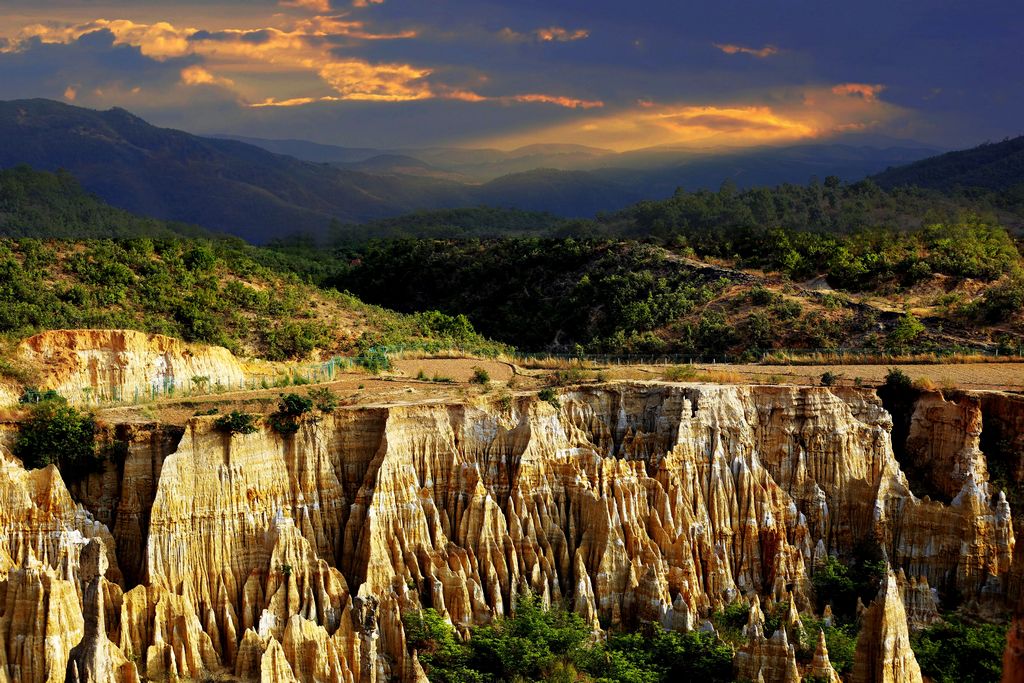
(294, 558)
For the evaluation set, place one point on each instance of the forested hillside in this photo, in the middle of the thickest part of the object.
(991, 166)
(40, 204)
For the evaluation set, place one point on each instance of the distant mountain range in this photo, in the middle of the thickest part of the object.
(666, 167)
(262, 189)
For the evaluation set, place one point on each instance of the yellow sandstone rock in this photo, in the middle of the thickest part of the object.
(293, 558)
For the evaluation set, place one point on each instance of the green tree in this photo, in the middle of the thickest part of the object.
(236, 422)
(906, 331)
(957, 652)
(56, 433)
(443, 658)
(528, 644)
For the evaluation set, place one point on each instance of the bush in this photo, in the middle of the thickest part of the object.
(1002, 301)
(906, 331)
(442, 656)
(841, 584)
(33, 395)
(375, 360)
(529, 644)
(236, 422)
(294, 405)
(829, 378)
(658, 655)
(955, 652)
(291, 407)
(679, 373)
(56, 433)
(537, 644)
(548, 394)
(761, 295)
(898, 381)
(324, 399)
(480, 376)
(569, 375)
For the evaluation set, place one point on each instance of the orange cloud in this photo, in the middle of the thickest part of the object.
(197, 75)
(358, 80)
(550, 34)
(760, 53)
(321, 6)
(867, 91)
(293, 102)
(820, 112)
(334, 26)
(561, 35)
(303, 49)
(366, 3)
(159, 41)
(538, 98)
(570, 102)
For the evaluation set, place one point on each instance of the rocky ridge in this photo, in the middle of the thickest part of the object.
(281, 558)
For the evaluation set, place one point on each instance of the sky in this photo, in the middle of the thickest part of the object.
(612, 74)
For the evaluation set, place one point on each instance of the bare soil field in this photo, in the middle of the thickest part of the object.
(457, 369)
(995, 376)
(454, 383)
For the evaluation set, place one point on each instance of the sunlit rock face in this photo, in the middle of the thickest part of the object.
(90, 365)
(293, 558)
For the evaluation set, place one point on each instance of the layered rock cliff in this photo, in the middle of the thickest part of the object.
(283, 558)
(90, 365)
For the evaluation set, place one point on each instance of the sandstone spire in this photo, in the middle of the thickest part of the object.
(821, 668)
(96, 659)
(883, 647)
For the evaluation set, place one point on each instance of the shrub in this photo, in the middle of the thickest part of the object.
(56, 433)
(829, 378)
(537, 644)
(957, 651)
(529, 644)
(1002, 301)
(33, 395)
(569, 375)
(505, 402)
(679, 373)
(291, 407)
(294, 405)
(898, 381)
(324, 399)
(375, 361)
(658, 655)
(236, 422)
(761, 295)
(841, 584)
(440, 653)
(548, 394)
(480, 376)
(908, 329)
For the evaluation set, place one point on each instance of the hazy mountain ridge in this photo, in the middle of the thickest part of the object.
(233, 186)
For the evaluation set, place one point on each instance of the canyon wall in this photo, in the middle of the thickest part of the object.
(293, 558)
(89, 365)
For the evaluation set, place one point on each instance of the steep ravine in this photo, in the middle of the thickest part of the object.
(280, 559)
